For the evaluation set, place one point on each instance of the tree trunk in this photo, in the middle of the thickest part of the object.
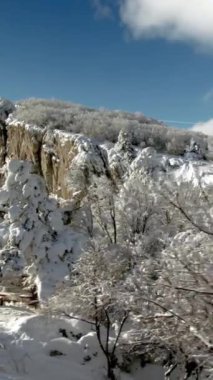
(110, 372)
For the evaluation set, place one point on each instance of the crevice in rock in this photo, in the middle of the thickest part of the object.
(39, 156)
(4, 138)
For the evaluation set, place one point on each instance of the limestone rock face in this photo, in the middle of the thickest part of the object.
(3, 138)
(67, 161)
(56, 156)
(24, 142)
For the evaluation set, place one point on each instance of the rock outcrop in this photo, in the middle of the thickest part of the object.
(65, 160)
(68, 161)
(24, 142)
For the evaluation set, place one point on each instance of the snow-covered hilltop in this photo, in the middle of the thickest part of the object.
(59, 137)
(82, 189)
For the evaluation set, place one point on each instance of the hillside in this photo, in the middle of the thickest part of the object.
(104, 125)
(105, 216)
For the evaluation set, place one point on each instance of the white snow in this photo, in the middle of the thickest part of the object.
(33, 347)
(33, 224)
(193, 173)
(34, 240)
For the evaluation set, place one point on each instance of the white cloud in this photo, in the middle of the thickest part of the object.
(184, 20)
(205, 127)
(208, 96)
(102, 9)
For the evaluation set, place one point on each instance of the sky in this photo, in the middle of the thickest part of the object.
(150, 56)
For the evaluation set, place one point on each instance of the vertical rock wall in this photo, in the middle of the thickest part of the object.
(55, 154)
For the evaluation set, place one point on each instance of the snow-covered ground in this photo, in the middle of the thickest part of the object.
(36, 240)
(34, 347)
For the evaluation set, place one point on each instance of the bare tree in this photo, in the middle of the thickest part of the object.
(93, 294)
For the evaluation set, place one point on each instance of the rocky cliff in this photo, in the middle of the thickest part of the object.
(67, 160)
(47, 224)
(55, 154)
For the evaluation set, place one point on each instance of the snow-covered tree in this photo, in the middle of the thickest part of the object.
(175, 303)
(100, 289)
(92, 294)
(35, 240)
(151, 255)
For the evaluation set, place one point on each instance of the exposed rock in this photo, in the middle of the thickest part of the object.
(68, 161)
(3, 143)
(24, 142)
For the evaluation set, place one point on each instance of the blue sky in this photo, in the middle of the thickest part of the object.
(86, 52)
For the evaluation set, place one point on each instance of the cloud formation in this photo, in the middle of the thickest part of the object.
(183, 20)
(102, 9)
(205, 127)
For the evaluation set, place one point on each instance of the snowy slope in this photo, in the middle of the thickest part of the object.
(34, 347)
(37, 242)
